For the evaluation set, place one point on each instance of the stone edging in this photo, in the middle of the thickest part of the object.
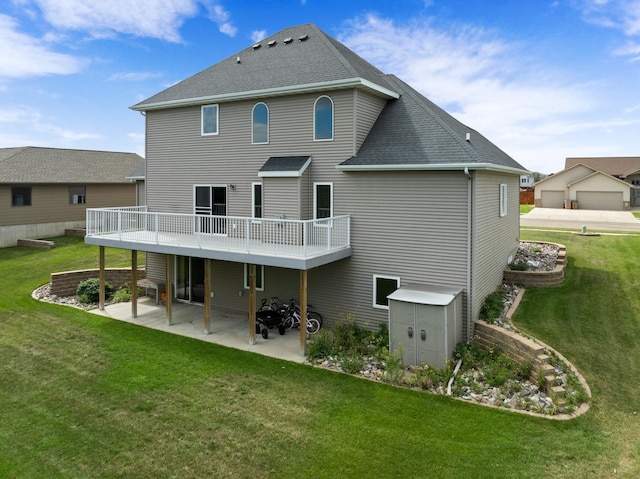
(539, 279)
(584, 407)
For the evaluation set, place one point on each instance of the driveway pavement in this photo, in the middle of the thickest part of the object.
(576, 219)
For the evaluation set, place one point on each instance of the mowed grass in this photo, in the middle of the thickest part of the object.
(85, 396)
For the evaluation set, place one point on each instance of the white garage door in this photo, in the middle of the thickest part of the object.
(600, 200)
(552, 199)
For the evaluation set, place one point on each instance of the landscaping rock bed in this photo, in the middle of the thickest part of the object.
(519, 395)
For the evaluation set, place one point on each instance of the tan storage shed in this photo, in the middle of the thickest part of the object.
(425, 323)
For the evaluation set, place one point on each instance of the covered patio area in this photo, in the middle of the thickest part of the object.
(226, 328)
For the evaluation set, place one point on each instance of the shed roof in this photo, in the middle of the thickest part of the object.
(285, 166)
(32, 164)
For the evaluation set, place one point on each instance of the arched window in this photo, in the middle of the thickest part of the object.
(323, 119)
(260, 123)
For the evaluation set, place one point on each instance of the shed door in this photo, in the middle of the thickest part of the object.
(600, 200)
(402, 330)
(552, 199)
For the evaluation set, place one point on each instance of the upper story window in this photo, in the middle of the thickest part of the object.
(323, 119)
(77, 195)
(503, 199)
(21, 196)
(260, 119)
(210, 120)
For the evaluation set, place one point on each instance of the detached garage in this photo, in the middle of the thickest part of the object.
(600, 191)
(583, 187)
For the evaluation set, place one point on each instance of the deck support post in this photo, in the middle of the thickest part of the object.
(207, 296)
(134, 283)
(102, 295)
(252, 304)
(168, 305)
(303, 311)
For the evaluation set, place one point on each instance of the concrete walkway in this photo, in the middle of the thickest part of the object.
(576, 219)
(227, 328)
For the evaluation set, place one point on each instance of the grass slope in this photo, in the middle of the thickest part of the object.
(85, 396)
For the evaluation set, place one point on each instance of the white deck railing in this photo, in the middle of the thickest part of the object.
(281, 237)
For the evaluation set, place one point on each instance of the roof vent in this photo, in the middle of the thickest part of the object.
(288, 40)
(256, 46)
(303, 38)
(468, 138)
(237, 59)
(272, 43)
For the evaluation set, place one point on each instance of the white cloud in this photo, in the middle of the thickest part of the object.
(258, 35)
(485, 82)
(142, 18)
(219, 15)
(24, 56)
(133, 76)
(619, 14)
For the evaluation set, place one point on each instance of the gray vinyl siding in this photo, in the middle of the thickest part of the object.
(156, 267)
(179, 157)
(407, 224)
(281, 197)
(499, 234)
(368, 108)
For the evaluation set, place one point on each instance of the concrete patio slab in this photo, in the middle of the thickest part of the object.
(227, 328)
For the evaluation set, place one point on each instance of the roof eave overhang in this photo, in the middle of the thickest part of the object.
(360, 83)
(434, 167)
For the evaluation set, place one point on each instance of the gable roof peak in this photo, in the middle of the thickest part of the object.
(297, 59)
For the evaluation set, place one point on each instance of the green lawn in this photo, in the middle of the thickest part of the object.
(525, 209)
(84, 396)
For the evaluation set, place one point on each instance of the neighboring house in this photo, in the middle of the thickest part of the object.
(526, 181)
(602, 183)
(44, 191)
(297, 159)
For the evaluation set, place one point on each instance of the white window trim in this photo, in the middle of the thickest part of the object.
(333, 109)
(202, 108)
(375, 288)
(246, 276)
(253, 201)
(253, 142)
(503, 199)
(315, 204)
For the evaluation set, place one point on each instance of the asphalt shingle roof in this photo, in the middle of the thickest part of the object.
(422, 133)
(317, 59)
(31, 165)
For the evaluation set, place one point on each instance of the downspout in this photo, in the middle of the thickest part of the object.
(469, 254)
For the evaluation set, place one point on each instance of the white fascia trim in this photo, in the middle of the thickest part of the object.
(279, 174)
(288, 90)
(432, 167)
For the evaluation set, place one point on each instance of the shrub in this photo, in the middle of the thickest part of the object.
(492, 306)
(89, 290)
(519, 266)
(321, 345)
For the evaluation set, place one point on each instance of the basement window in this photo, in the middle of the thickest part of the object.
(383, 286)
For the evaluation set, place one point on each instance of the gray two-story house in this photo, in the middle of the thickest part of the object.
(295, 168)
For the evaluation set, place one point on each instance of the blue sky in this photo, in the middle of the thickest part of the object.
(544, 80)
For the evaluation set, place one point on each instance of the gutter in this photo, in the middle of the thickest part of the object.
(464, 167)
